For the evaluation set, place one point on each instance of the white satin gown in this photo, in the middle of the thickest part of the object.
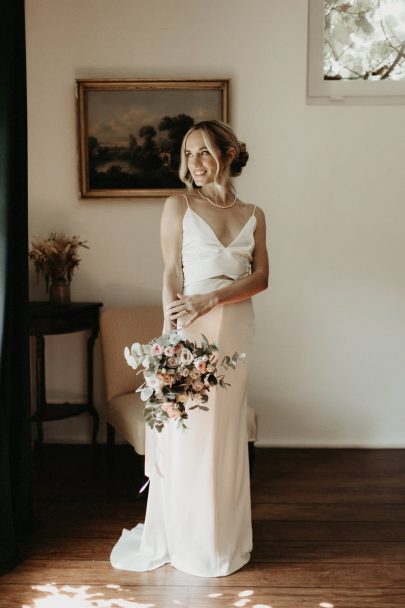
(198, 514)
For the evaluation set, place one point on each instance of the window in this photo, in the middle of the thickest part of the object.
(356, 51)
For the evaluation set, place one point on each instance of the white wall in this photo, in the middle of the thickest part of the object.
(329, 358)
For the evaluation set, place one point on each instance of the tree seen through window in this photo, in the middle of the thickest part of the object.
(364, 39)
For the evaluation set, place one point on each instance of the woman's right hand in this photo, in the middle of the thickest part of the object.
(187, 309)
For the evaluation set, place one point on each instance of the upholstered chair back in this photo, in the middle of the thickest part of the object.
(121, 327)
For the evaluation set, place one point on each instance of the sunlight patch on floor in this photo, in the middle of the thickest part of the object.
(242, 603)
(79, 597)
(326, 605)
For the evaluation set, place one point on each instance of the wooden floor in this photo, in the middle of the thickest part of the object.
(329, 532)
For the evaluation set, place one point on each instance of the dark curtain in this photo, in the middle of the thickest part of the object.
(15, 436)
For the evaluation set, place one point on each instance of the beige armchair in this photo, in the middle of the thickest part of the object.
(120, 327)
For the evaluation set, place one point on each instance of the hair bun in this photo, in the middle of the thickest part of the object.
(240, 160)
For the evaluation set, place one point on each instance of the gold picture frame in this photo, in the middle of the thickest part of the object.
(130, 131)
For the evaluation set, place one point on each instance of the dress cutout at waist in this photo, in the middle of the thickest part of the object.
(204, 256)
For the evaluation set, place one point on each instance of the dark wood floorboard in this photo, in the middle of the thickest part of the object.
(329, 532)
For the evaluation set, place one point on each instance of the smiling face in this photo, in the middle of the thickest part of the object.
(201, 163)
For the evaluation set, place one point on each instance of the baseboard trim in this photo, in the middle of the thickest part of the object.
(333, 445)
(268, 444)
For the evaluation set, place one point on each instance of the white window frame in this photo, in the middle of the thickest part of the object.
(320, 91)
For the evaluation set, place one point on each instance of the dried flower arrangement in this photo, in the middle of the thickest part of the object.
(55, 257)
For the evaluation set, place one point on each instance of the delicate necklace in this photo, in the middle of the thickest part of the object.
(216, 204)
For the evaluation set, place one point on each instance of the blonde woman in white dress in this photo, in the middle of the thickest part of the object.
(198, 515)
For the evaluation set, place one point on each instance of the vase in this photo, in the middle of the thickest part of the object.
(59, 292)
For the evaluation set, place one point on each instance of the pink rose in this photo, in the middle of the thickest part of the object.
(199, 364)
(170, 410)
(165, 378)
(174, 413)
(178, 348)
(169, 351)
(156, 350)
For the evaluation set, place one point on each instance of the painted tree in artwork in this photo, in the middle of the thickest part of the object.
(176, 128)
(364, 39)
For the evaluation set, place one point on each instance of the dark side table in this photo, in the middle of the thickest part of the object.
(49, 319)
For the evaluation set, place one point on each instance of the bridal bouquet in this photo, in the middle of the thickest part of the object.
(177, 373)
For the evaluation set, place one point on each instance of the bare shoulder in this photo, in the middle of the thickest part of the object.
(250, 206)
(175, 205)
(259, 213)
(260, 222)
(174, 209)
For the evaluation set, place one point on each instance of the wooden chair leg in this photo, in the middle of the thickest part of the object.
(251, 447)
(110, 444)
(110, 435)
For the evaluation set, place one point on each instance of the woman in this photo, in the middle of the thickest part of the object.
(198, 516)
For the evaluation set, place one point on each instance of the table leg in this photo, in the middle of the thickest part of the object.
(90, 389)
(40, 385)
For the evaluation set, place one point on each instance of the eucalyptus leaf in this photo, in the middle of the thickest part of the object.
(146, 361)
(136, 349)
(146, 393)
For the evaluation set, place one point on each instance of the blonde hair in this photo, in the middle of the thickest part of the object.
(218, 136)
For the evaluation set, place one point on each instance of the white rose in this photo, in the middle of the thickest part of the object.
(186, 356)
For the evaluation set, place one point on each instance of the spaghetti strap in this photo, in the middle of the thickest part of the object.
(185, 196)
(254, 210)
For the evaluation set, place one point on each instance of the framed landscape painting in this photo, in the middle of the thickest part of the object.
(130, 132)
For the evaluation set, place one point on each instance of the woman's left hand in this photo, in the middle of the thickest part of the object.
(191, 307)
